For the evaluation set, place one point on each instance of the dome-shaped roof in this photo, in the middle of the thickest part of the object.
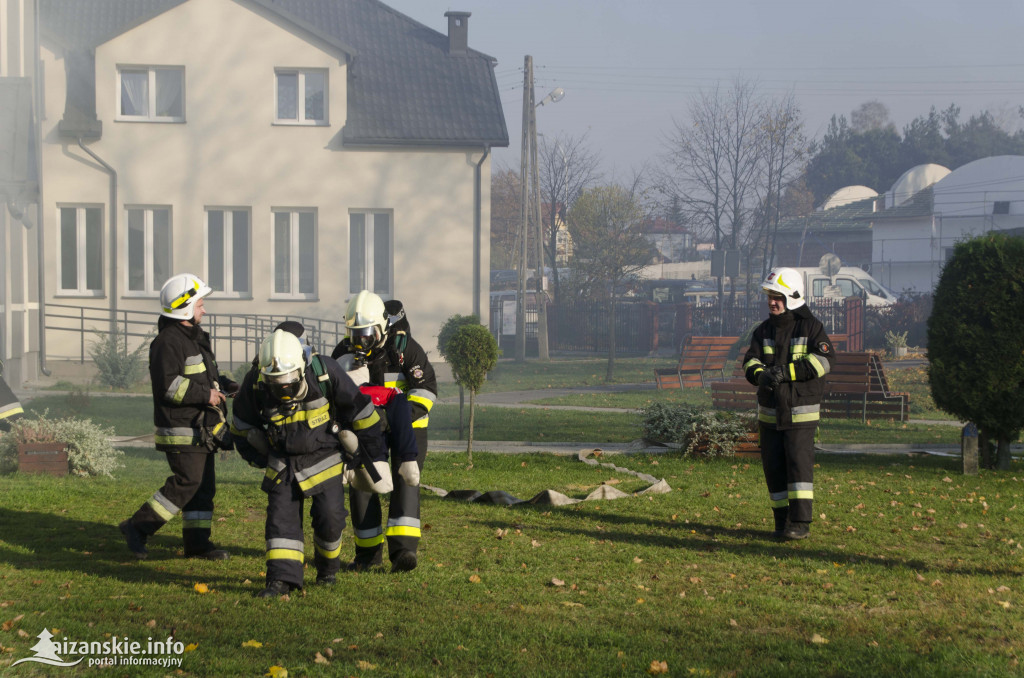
(913, 180)
(846, 195)
(972, 189)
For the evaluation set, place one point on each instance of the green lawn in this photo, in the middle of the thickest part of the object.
(911, 570)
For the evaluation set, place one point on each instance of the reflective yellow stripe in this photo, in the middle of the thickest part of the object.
(333, 553)
(159, 509)
(425, 403)
(196, 524)
(11, 412)
(766, 418)
(819, 369)
(779, 503)
(808, 416)
(301, 415)
(175, 440)
(195, 369)
(372, 541)
(321, 477)
(422, 422)
(792, 371)
(403, 531)
(367, 422)
(801, 494)
(285, 554)
(179, 395)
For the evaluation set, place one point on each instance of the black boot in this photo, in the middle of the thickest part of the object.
(796, 531)
(136, 539)
(780, 514)
(405, 562)
(275, 589)
(210, 553)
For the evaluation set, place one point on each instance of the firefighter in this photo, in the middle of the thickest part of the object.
(379, 336)
(286, 419)
(189, 413)
(10, 407)
(788, 358)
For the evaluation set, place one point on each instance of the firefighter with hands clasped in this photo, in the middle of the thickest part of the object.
(300, 416)
(379, 338)
(189, 413)
(789, 356)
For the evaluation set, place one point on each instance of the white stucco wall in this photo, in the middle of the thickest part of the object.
(229, 153)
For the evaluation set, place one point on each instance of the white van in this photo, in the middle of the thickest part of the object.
(850, 281)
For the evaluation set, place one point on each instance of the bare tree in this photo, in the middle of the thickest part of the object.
(610, 249)
(567, 166)
(506, 219)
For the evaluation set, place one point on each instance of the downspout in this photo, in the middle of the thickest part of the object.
(113, 234)
(40, 272)
(478, 232)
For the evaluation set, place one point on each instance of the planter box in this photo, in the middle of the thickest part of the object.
(51, 458)
(748, 446)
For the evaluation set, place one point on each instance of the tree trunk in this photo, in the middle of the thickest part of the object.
(985, 459)
(1003, 454)
(462, 405)
(469, 446)
(611, 340)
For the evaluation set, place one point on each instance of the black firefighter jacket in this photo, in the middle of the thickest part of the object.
(407, 369)
(797, 341)
(183, 371)
(303, 440)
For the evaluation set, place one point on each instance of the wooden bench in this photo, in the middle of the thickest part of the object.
(702, 361)
(857, 389)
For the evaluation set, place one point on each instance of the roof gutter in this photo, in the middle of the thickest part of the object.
(478, 231)
(113, 233)
(38, 131)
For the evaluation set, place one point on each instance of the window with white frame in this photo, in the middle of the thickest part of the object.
(149, 249)
(227, 251)
(151, 93)
(294, 254)
(301, 97)
(371, 264)
(81, 250)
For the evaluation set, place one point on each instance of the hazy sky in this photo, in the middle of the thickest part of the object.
(629, 66)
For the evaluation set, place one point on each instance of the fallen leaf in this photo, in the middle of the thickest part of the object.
(191, 647)
(637, 559)
(201, 588)
(22, 633)
(474, 578)
(569, 603)
(733, 622)
(1005, 604)
(819, 640)
(320, 659)
(534, 543)
(365, 665)
(657, 667)
(277, 672)
(9, 624)
(555, 581)
(252, 643)
(151, 623)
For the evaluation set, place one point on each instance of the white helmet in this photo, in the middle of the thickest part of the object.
(283, 366)
(787, 282)
(179, 295)
(366, 322)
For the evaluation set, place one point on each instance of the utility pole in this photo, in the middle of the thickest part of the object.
(541, 298)
(523, 194)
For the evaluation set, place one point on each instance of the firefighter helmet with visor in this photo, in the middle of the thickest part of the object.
(283, 367)
(179, 295)
(366, 322)
(788, 283)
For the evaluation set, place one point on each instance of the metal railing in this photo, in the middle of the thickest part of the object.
(235, 337)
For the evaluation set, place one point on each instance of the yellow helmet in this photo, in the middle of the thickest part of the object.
(787, 282)
(366, 322)
(283, 366)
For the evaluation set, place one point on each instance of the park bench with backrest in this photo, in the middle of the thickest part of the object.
(703, 360)
(857, 389)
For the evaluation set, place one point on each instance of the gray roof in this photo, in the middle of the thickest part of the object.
(403, 87)
(860, 214)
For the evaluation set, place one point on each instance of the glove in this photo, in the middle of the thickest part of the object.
(348, 441)
(778, 374)
(410, 473)
(360, 479)
(764, 379)
(258, 441)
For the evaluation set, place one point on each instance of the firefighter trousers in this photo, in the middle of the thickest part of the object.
(188, 491)
(403, 528)
(10, 407)
(285, 547)
(788, 460)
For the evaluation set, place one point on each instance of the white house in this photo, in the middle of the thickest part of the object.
(289, 152)
(979, 197)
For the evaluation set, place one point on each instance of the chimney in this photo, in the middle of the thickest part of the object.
(458, 33)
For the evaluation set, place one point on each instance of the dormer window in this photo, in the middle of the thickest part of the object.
(151, 94)
(301, 97)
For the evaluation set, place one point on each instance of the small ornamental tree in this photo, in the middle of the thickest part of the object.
(472, 353)
(448, 331)
(976, 338)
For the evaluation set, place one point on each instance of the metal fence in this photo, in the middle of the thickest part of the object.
(236, 338)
